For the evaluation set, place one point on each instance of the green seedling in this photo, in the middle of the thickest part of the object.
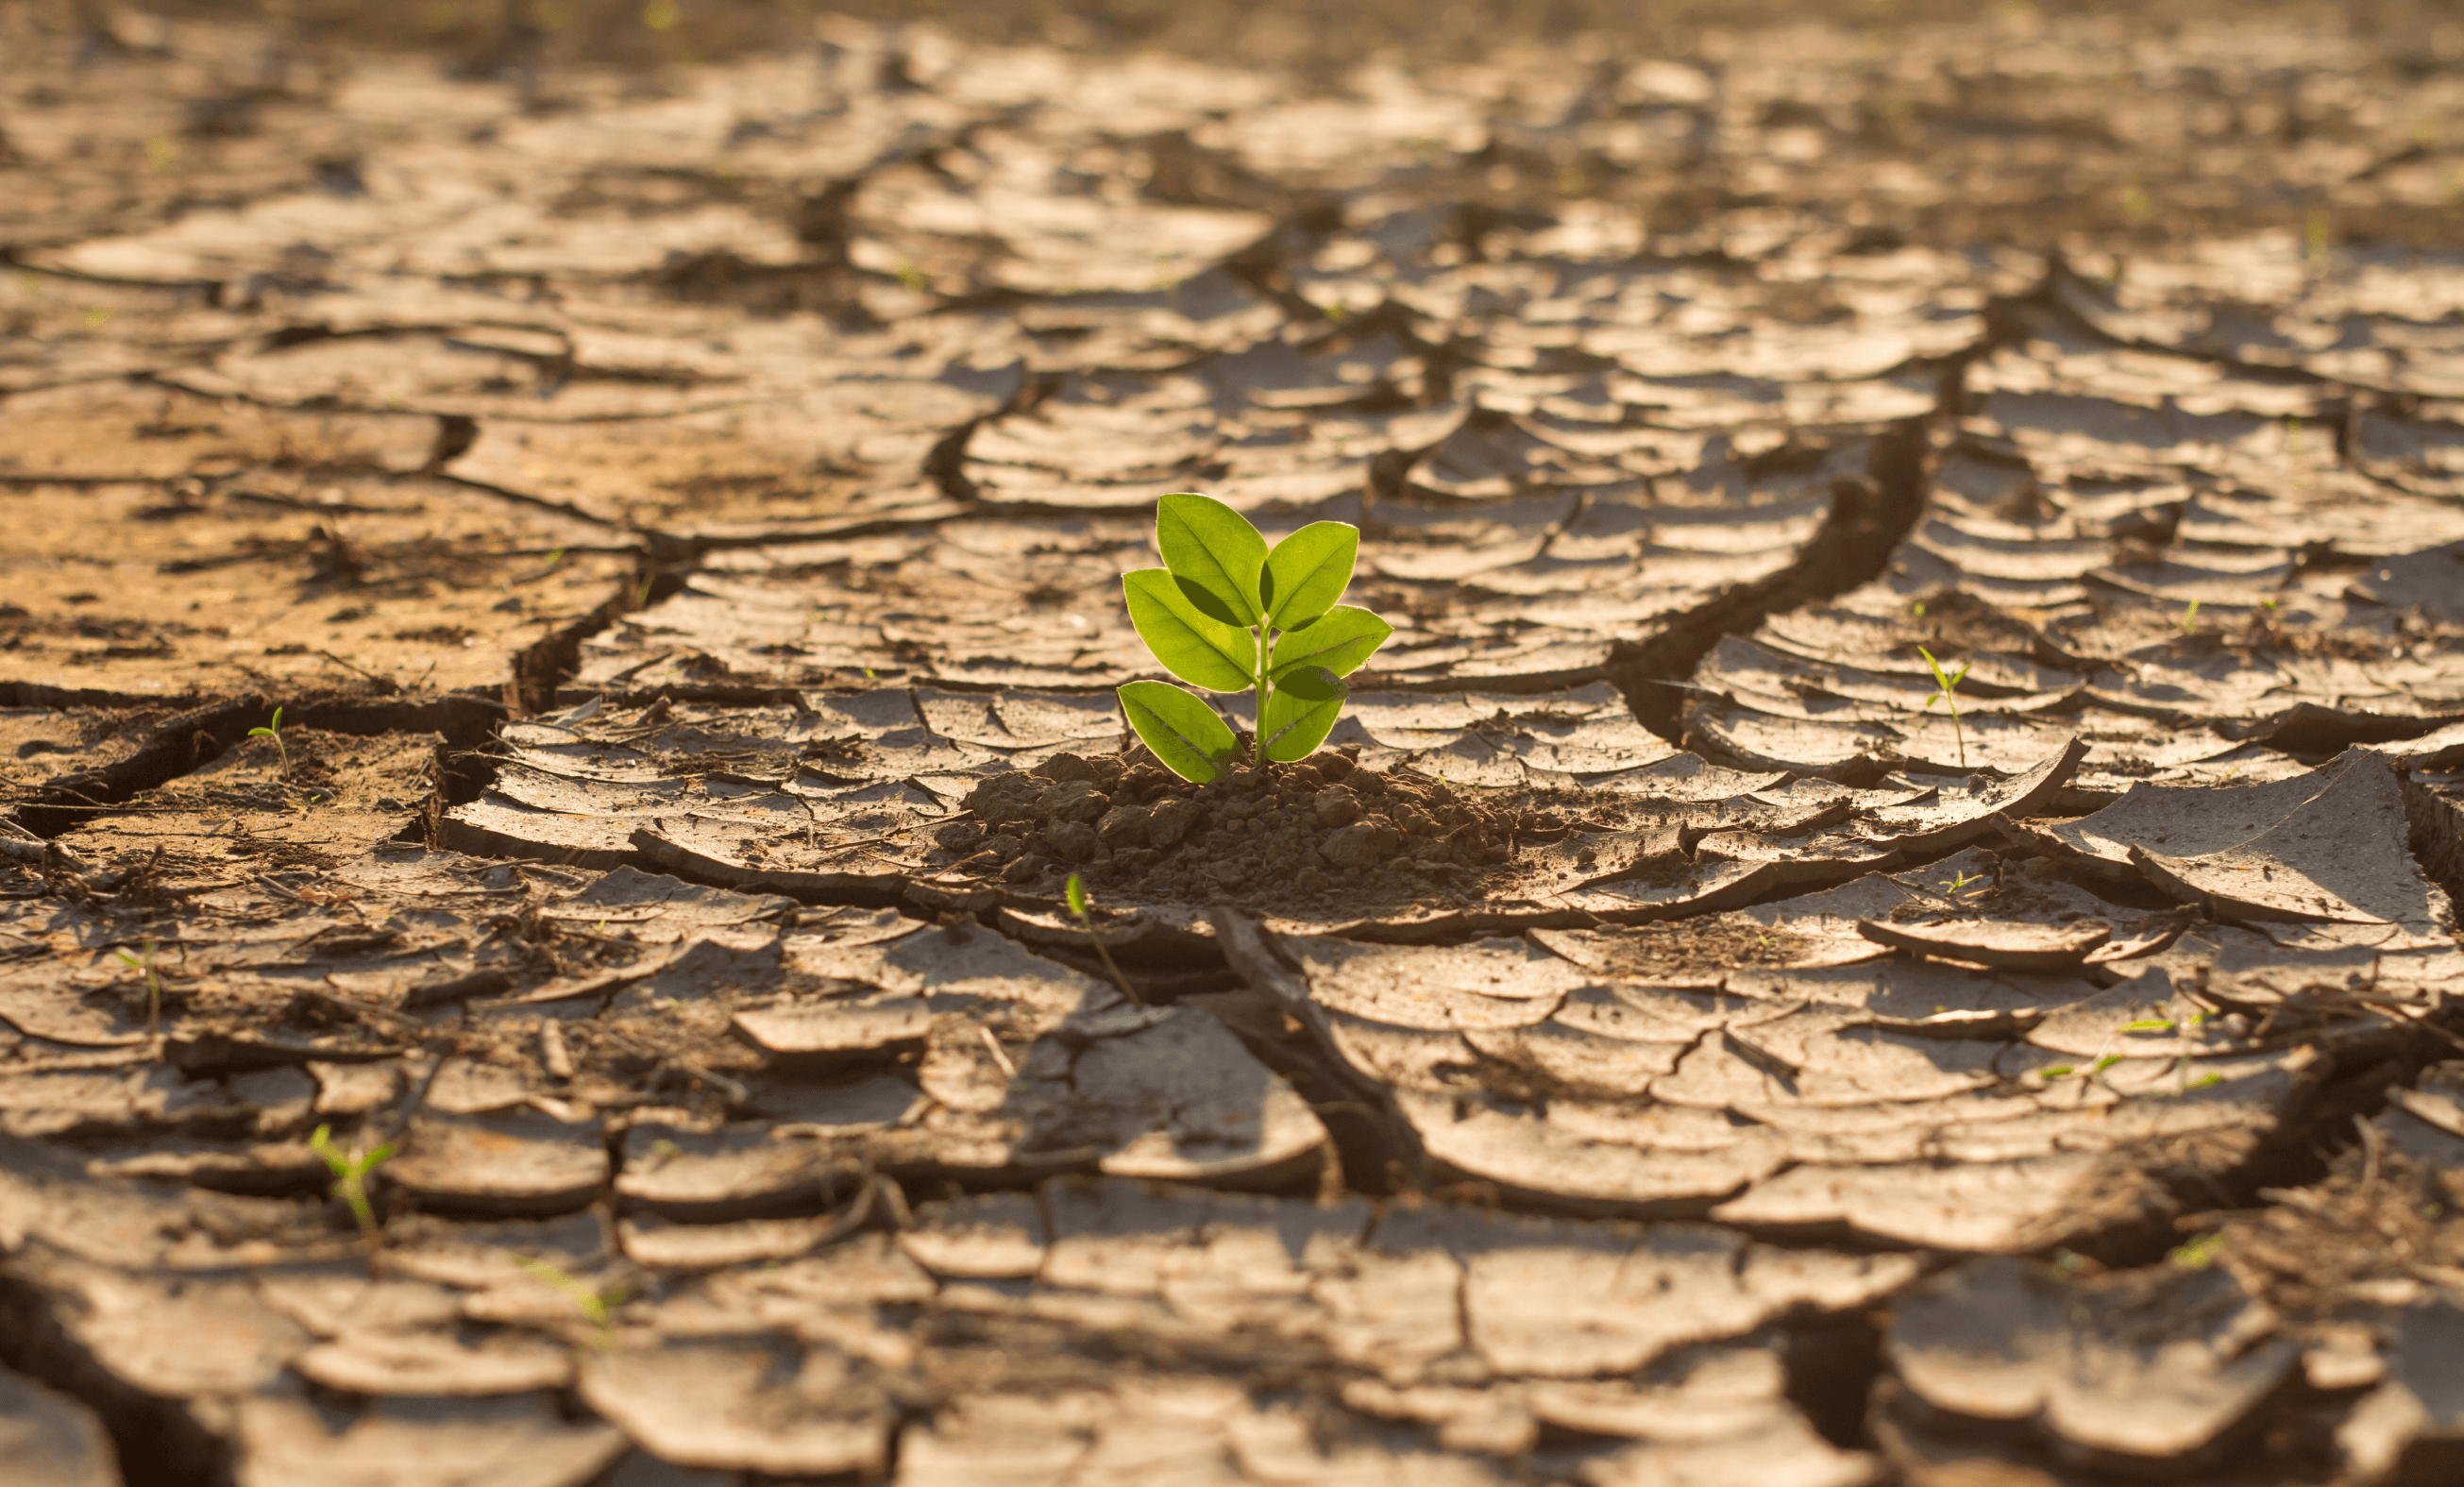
(597, 1307)
(1945, 691)
(2198, 1253)
(1226, 614)
(1075, 890)
(2066, 1070)
(1960, 883)
(144, 966)
(351, 1171)
(273, 731)
(2191, 617)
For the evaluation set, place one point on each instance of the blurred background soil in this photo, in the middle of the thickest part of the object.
(2141, 124)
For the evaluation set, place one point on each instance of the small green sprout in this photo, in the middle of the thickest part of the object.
(351, 1171)
(1075, 890)
(2065, 1071)
(1962, 882)
(2198, 1253)
(2191, 617)
(597, 1307)
(1946, 687)
(144, 966)
(273, 731)
(1916, 608)
(1227, 614)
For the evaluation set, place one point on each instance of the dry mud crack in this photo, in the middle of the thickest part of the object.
(677, 511)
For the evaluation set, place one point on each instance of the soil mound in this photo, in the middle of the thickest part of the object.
(1302, 831)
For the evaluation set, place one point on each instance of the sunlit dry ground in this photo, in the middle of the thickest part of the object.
(557, 649)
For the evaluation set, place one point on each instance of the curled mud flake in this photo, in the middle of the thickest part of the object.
(2075, 1363)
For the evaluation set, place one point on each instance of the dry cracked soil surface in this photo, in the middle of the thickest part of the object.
(559, 612)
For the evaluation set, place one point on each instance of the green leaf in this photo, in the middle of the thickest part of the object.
(1186, 734)
(1339, 641)
(1296, 724)
(1216, 554)
(1075, 890)
(1195, 649)
(1309, 570)
(1313, 682)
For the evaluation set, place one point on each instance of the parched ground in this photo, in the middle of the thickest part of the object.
(559, 612)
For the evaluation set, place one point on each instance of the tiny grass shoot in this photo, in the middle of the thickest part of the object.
(1227, 613)
(597, 1307)
(144, 966)
(1945, 691)
(2197, 1253)
(2191, 617)
(1963, 883)
(1075, 890)
(351, 1171)
(274, 730)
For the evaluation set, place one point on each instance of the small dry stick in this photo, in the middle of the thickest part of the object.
(1075, 890)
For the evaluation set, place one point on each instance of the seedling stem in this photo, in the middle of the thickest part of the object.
(273, 731)
(1945, 688)
(351, 1172)
(144, 965)
(1075, 890)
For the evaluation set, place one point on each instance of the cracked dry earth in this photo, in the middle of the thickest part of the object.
(679, 512)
